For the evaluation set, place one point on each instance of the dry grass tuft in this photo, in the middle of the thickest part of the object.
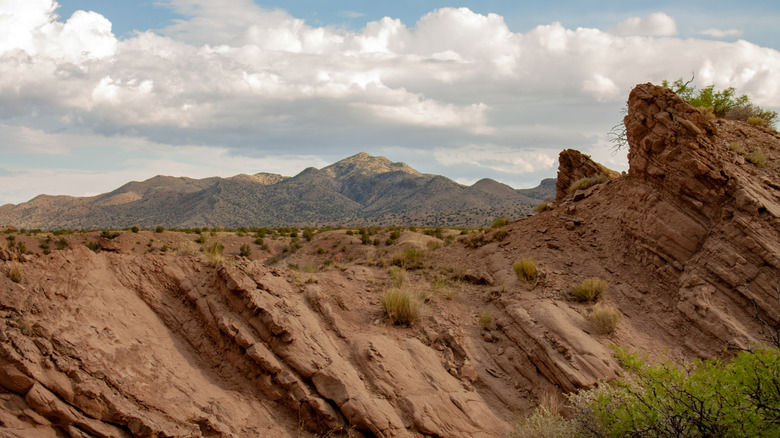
(401, 306)
(485, 319)
(526, 269)
(15, 272)
(604, 318)
(588, 181)
(757, 157)
(589, 290)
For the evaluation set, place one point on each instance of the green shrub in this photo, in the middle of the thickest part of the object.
(589, 290)
(604, 318)
(134, 229)
(159, 229)
(401, 306)
(106, 234)
(757, 157)
(500, 222)
(526, 270)
(714, 398)
(245, 250)
(92, 245)
(62, 243)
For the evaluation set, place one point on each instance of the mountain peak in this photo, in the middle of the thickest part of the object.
(368, 165)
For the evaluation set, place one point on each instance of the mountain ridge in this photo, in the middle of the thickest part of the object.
(358, 190)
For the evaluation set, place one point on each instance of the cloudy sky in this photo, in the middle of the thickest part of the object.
(96, 93)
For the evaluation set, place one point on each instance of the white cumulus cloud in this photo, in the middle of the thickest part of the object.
(657, 24)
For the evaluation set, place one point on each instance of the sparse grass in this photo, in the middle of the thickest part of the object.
(187, 248)
(401, 306)
(409, 258)
(485, 319)
(589, 290)
(544, 423)
(757, 157)
(245, 250)
(588, 181)
(397, 276)
(542, 206)
(214, 253)
(15, 272)
(737, 147)
(757, 121)
(605, 318)
(526, 270)
(92, 246)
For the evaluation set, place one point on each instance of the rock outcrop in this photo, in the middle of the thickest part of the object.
(574, 165)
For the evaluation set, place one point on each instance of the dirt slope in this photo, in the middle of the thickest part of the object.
(120, 343)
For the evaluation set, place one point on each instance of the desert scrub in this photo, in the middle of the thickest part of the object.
(588, 181)
(187, 249)
(542, 206)
(605, 318)
(757, 157)
(15, 272)
(526, 270)
(401, 306)
(589, 290)
(546, 423)
(214, 253)
(500, 222)
(737, 147)
(397, 276)
(245, 250)
(408, 258)
(485, 319)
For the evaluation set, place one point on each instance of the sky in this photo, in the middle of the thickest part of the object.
(97, 93)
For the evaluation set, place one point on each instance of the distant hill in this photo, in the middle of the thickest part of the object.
(359, 190)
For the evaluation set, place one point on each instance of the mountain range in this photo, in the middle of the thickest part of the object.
(360, 190)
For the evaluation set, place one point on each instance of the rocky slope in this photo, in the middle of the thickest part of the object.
(121, 343)
(359, 190)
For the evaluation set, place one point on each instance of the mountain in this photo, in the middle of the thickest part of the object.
(358, 190)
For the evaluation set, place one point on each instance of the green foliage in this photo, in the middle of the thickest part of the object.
(92, 246)
(589, 290)
(62, 243)
(526, 269)
(715, 398)
(721, 103)
(401, 306)
(500, 222)
(245, 250)
(106, 234)
(201, 239)
(134, 229)
(159, 229)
